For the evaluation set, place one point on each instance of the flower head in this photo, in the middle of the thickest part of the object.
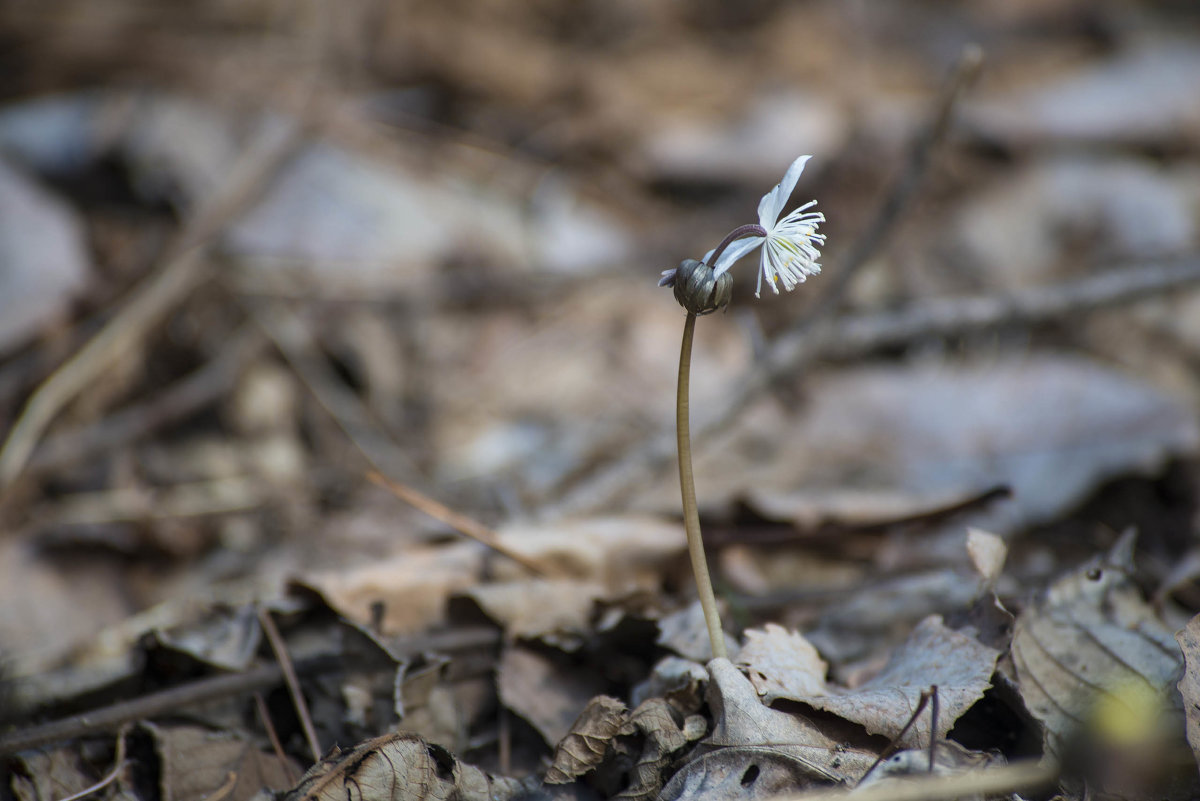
(789, 254)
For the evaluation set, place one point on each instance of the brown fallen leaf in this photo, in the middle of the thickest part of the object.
(661, 736)
(539, 608)
(1093, 643)
(934, 654)
(197, 762)
(413, 586)
(47, 775)
(782, 663)
(399, 767)
(586, 745)
(1189, 683)
(741, 720)
(545, 693)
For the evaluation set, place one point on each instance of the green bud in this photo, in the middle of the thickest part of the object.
(700, 291)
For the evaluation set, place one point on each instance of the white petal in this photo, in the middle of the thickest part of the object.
(736, 251)
(668, 277)
(772, 203)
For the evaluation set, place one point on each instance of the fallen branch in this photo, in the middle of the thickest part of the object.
(169, 702)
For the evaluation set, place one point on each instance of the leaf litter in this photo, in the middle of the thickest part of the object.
(440, 280)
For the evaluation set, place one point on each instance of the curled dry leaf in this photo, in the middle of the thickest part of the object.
(680, 681)
(588, 742)
(661, 737)
(1093, 643)
(934, 654)
(399, 767)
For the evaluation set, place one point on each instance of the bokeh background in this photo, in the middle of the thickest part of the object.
(251, 250)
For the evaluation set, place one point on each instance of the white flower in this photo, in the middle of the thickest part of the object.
(789, 254)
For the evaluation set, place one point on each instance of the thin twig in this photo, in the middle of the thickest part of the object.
(279, 647)
(227, 787)
(894, 745)
(459, 522)
(687, 486)
(265, 715)
(1028, 775)
(183, 268)
(202, 691)
(118, 766)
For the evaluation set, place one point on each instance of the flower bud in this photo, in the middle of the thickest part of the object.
(699, 290)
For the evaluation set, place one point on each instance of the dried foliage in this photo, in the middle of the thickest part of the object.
(253, 254)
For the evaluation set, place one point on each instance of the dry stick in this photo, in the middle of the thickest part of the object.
(265, 715)
(183, 268)
(1028, 775)
(604, 486)
(687, 485)
(459, 522)
(894, 745)
(170, 701)
(292, 681)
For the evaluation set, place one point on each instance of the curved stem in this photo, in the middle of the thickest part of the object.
(751, 229)
(687, 484)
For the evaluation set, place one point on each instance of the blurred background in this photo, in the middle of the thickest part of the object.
(251, 250)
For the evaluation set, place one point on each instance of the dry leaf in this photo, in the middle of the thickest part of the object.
(586, 745)
(413, 586)
(539, 608)
(741, 719)
(1092, 639)
(1189, 683)
(987, 552)
(781, 663)
(399, 767)
(47, 775)
(196, 762)
(686, 633)
(959, 665)
(680, 681)
(622, 554)
(546, 693)
(45, 261)
(661, 737)
(746, 773)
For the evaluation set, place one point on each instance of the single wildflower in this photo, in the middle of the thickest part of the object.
(790, 251)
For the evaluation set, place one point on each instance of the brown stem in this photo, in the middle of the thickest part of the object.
(687, 485)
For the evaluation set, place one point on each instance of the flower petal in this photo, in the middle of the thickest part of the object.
(772, 203)
(734, 252)
(668, 277)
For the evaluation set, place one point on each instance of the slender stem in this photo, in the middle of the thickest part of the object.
(687, 484)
